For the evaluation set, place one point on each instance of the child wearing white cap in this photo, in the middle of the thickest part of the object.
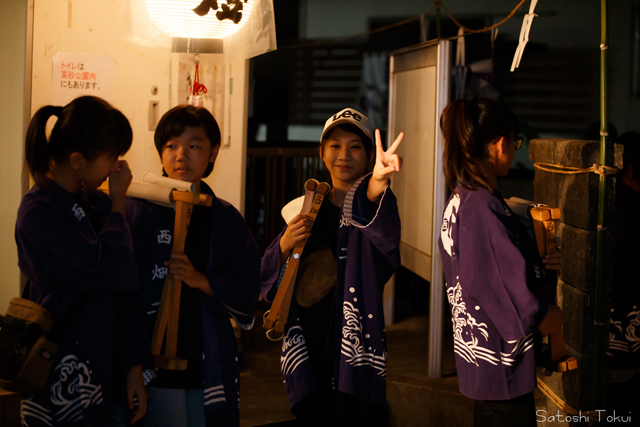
(333, 358)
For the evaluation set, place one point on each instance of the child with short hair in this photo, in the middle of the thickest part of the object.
(74, 244)
(334, 352)
(219, 272)
(492, 268)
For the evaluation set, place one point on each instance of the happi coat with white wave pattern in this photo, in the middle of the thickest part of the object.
(493, 279)
(63, 257)
(367, 256)
(232, 269)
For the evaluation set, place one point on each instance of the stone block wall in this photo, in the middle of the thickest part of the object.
(577, 197)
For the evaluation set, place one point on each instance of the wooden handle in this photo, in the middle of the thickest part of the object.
(311, 185)
(323, 188)
(544, 213)
(544, 228)
(279, 312)
(191, 198)
(309, 192)
(169, 310)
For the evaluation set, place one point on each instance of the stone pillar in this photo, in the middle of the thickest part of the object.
(577, 197)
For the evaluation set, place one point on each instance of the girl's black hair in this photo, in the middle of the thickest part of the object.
(176, 120)
(87, 125)
(366, 141)
(468, 127)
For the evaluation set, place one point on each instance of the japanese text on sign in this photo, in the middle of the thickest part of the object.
(77, 74)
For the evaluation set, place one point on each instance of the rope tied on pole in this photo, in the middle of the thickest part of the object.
(564, 406)
(570, 170)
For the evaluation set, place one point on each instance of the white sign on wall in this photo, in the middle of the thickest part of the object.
(76, 74)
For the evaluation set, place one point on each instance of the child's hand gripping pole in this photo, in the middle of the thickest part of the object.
(276, 317)
(544, 231)
(169, 311)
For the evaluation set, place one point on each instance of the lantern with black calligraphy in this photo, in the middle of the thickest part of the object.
(199, 25)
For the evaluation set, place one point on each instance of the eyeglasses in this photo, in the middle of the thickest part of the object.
(518, 140)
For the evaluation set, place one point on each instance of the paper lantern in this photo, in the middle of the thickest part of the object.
(178, 19)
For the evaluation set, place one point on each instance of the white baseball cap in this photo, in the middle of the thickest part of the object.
(348, 116)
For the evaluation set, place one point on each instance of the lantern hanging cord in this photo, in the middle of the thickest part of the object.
(485, 29)
(355, 36)
(197, 87)
(407, 21)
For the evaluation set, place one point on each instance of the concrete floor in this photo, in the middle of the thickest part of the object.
(262, 396)
(414, 398)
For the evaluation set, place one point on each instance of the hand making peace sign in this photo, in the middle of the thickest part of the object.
(387, 162)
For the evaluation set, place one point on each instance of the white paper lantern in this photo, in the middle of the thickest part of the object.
(177, 19)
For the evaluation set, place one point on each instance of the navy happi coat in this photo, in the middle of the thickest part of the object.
(368, 254)
(232, 269)
(63, 257)
(493, 275)
(624, 325)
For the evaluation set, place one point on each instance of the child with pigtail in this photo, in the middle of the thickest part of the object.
(492, 268)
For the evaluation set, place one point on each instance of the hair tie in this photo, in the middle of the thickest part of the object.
(57, 111)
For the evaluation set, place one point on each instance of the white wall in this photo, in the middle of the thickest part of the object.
(13, 31)
(90, 26)
(228, 179)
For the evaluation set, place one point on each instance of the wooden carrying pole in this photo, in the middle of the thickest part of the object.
(275, 319)
(161, 191)
(169, 311)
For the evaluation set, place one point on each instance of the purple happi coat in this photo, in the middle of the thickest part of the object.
(63, 257)
(493, 274)
(624, 324)
(232, 270)
(368, 254)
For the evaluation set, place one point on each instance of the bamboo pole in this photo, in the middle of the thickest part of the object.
(599, 327)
